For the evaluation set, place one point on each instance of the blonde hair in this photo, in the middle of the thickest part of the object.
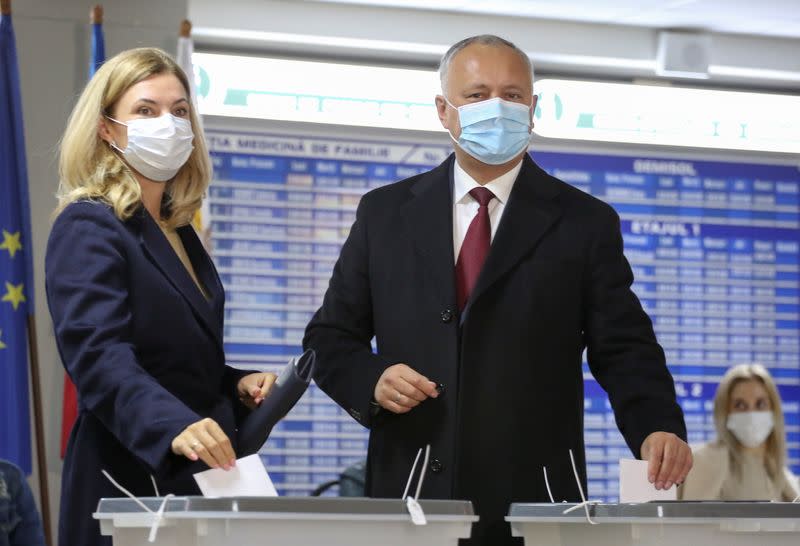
(89, 168)
(775, 456)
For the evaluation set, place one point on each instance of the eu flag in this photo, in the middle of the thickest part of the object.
(16, 286)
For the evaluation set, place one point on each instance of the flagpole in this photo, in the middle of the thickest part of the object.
(41, 465)
(96, 15)
(186, 32)
(202, 216)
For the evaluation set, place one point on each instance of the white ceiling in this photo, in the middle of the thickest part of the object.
(755, 17)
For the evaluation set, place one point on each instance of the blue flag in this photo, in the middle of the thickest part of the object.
(16, 286)
(98, 49)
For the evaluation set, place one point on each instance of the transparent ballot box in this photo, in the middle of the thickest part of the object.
(285, 521)
(658, 523)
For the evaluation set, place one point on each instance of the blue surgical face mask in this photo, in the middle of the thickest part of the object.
(493, 131)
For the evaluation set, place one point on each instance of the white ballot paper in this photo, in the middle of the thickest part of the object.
(248, 478)
(634, 486)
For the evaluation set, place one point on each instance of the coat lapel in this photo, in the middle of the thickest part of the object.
(529, 213)
(205, 271)
(428, 218)
(158, 249)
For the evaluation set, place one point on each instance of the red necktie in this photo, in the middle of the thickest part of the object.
(475, 247)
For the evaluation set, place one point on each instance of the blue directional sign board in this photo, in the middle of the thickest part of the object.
(713, 246)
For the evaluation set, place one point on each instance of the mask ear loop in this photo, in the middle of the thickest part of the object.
(454, 107)
(116, 120)
(585, 504)
(113, 143)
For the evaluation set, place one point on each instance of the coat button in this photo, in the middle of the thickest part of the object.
(436, 466)
(447, 315)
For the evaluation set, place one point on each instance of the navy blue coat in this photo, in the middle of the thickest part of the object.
(144, 348)
(554, 283)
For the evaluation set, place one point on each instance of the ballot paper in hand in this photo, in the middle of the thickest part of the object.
(248, 478)
(284, 394)
(635, 487)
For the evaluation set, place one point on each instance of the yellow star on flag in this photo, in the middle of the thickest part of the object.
(14, 294)
(11, 242)
(2, 345)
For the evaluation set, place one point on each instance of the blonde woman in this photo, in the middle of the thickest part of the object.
(136, 302)
(748, 459)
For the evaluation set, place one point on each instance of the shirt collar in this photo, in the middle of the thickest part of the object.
(500, 186)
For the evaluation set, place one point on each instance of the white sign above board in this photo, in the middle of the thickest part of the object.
(401, 98)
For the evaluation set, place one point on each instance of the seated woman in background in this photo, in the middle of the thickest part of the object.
(748, 459)
(20, 524)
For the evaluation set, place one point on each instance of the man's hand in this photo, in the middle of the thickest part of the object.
(400, 389)
(669, 459)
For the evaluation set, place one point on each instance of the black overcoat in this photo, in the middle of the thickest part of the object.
(555, 282)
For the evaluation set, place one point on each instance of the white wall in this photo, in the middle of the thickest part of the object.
(53, 44)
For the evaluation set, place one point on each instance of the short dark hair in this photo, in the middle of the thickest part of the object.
(483, 39)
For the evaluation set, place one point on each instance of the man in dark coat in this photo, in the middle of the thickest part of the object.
(481, 305)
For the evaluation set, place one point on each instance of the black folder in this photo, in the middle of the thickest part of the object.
(287, 390)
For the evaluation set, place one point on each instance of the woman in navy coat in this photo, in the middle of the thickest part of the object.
(136, 302)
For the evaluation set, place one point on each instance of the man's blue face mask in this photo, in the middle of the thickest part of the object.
(493, 131)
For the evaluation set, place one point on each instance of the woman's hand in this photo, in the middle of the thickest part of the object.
(205, 440)
(253, 388)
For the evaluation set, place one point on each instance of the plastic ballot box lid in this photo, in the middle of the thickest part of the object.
(287, 507)
(296, 521)
(658, 523)
(655, 510)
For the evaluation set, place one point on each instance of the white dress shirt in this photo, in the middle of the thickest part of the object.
(465, 207)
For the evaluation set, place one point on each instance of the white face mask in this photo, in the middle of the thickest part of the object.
(157, 147)
(751, 428)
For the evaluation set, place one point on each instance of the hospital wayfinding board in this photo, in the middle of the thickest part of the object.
(713, 246)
